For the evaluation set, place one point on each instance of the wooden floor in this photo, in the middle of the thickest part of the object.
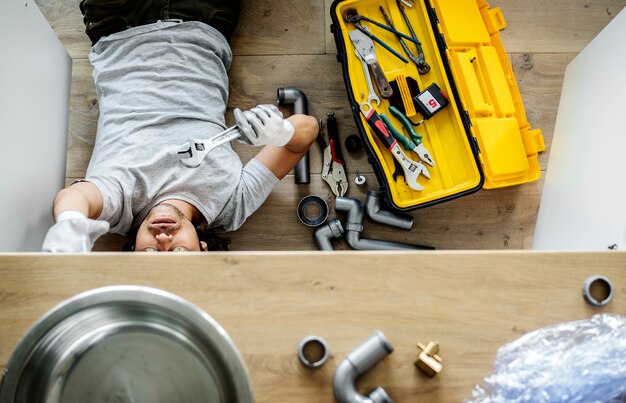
(291, 46)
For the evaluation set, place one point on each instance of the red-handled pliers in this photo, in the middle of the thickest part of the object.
(333, 164)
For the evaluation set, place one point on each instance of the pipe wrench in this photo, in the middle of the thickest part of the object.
(193, 152)
(412, 169)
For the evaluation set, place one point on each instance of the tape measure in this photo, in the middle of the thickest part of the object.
(430, 101)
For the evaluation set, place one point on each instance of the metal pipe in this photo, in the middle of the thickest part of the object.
(296, 98)
(354, 226)
(375, 212)
(358, 362)
(325, 234)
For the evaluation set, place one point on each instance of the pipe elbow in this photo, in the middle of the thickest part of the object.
(359, 361)
(324, 235)
(352, 207)
(344, 384)
(354, 226)
(377, 214)
(293, 96)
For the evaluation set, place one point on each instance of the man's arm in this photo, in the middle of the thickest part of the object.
(281, 160)
(73, 210)
(83, 197)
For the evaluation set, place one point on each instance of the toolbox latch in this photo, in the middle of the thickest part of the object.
(494, 20)
(466, 119)
(443, 41)
(533, 141)
(476, 146)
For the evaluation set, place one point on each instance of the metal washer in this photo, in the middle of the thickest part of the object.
(587, 290)
(308, 340)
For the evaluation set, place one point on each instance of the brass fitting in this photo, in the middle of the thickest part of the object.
(428, 361)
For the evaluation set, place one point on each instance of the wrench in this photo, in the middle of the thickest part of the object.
(412, 169)
(372, 96)
(198, 149)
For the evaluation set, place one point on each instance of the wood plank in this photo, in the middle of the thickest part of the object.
(268, 302)
(66, 20)
(83, 121)
(540, 78)
(266, 27)
(538, 26)
(554, 26)
(490, 219)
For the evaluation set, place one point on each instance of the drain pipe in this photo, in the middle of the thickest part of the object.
(354, 226)
(375, 212)
(295, 97)
(324, 235)
(358, 362)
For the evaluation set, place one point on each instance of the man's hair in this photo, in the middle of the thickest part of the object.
(213, 241)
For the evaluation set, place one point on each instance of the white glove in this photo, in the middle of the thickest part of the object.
(264, 125)
(73, 232)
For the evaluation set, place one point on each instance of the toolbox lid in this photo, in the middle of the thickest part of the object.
(488, 91)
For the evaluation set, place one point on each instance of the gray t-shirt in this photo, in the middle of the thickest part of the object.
(158, 85)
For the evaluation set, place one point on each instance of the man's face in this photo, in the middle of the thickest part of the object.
(166, 229)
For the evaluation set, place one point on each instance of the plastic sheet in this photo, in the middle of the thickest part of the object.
(582, 361)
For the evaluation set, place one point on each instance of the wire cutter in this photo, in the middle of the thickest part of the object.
(415, 144)
(420, 149)
(333, 165)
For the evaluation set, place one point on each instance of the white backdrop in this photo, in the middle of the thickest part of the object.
(583, 205)
(35, 74)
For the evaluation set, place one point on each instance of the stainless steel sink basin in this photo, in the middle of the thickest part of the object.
(126, 344)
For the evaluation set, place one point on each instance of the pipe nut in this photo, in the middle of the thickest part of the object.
(598, 290)
(313, 351)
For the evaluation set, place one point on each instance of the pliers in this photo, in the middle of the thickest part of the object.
(415, 143)
(333, 165)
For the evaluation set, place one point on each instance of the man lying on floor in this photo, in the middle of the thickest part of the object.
(161, 78)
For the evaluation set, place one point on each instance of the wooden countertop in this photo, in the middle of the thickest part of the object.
(471, 302)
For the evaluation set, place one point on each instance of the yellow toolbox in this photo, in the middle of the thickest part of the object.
(458, 83)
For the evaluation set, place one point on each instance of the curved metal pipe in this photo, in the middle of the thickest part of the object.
(358, 362)
(354, 226)
(375, 212)
(296, 98)
(325, 234)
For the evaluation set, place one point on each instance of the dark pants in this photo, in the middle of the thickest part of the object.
(105, 17)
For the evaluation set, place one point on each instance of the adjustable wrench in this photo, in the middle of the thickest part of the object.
(197, 149)
(412, 169)
(372, 96)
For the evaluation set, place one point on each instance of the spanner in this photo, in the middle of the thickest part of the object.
(372, 96)
(198, 149)
(412, 169)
